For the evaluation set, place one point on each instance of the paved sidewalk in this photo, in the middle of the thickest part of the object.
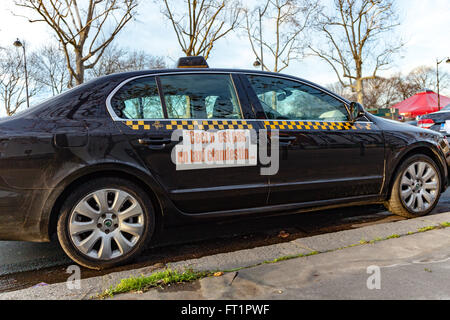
(413, 266)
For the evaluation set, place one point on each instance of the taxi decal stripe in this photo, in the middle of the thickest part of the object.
(188, 124)
(315, 125)
(243, 124)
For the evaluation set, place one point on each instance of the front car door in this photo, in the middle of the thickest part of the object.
(323, 156)
(150, 108)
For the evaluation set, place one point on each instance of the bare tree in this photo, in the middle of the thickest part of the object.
(50, 68)
(381, 92)
(290, 20)
(340, 90)
(201, 23)
(385, 92)
(356, 47)
(117, 59)
(424, 77)
(12, 81)
(81, 30)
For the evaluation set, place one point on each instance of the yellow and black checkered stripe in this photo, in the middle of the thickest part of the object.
(242, 124)
(315, 125)
(188, 124)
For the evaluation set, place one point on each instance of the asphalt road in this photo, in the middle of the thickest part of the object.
(24, 264)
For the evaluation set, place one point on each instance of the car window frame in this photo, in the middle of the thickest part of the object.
(255, 100)
(116, 90)
(236, 82)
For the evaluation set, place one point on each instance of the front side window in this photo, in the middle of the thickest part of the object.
(200, 96)
(138, 99)
(291, 100)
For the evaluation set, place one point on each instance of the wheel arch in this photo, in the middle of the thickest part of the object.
(57, 198)
(428, 150)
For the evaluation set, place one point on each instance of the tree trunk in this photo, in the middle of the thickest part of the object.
(359, 90)
(79, 76)
(359, 82)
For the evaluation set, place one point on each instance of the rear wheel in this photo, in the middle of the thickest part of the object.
(416, 189)
(105, 223)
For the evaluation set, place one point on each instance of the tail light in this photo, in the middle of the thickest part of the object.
(425, 123)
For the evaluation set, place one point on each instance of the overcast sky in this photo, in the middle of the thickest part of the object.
(425, 27)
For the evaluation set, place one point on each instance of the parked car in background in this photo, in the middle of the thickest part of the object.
(436, 120)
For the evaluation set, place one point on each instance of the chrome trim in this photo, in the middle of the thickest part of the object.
(120, 85)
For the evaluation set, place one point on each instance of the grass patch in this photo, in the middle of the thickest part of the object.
(445, 224)
(425, 229)
(284, 258)
(392, 236)
(157, 279)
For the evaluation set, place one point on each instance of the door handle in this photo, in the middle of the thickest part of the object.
(286, 140)
(155, 143)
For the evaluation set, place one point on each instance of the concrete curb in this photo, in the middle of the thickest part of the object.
(239, 259)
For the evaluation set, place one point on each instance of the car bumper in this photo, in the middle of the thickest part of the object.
(21, 214)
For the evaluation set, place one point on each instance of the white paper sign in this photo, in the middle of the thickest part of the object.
(215, 149)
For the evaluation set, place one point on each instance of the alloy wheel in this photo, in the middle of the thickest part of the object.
(106, 224)
(419, 186)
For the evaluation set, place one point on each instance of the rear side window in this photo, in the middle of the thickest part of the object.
(138, 99)
(291, 100)
(200, 96)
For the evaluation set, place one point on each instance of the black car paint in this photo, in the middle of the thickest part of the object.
(71, 138)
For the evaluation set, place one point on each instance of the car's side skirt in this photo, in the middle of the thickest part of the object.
(294, 207)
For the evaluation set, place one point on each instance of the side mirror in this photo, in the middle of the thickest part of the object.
(356, 111)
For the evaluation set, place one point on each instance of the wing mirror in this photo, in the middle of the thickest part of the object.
(356, 111)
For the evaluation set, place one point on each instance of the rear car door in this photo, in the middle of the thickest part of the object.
(150, 108)
(323, 156)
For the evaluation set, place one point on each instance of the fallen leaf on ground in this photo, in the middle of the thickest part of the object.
(42, 284)
(283, 234)
(218, 274)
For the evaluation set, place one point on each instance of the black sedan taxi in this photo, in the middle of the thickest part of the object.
(99, 168)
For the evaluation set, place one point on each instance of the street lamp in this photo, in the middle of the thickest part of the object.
(447, 60)
(256, 64)
(260, 62)
(19, 44)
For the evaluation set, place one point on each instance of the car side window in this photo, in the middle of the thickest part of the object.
(138, 99)
(200, 96)
(291, 100)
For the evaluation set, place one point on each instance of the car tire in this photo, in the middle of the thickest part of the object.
(416, 189)
(105, 222)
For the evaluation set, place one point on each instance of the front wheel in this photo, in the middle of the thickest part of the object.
(105, 222)
(416, 188)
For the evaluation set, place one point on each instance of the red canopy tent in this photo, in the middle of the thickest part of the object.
(421, 103)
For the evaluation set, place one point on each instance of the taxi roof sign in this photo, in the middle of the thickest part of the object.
(192, 62)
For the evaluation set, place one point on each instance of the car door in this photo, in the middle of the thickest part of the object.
(323, 156)
(149, 109)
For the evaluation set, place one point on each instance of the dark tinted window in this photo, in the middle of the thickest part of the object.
(200, 96)
(286, 99)
(138, 99)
